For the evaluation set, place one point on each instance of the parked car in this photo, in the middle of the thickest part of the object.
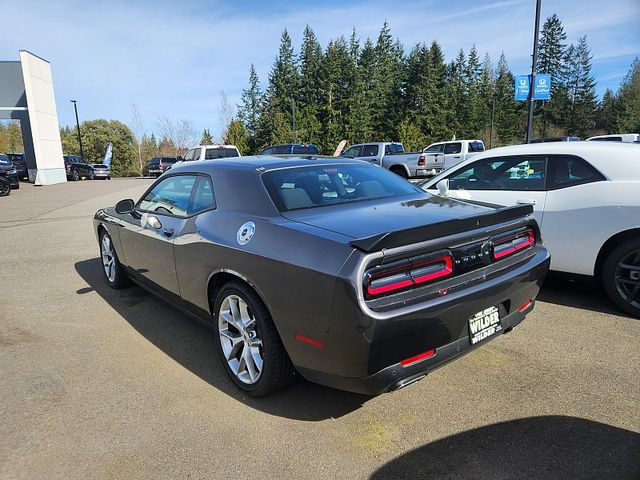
(210, 152)
(20, 164)
(291, 149)
(101, 171)
(339, 270)
(555, 139)
(390, 155)
(8, 174)
(158, 165)
(77, 168)
(619, 137)
(443, 155)
(586, 198)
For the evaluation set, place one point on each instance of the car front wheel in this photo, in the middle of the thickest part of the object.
(75, 175)
(248, 342)
(621, 277)
(111, 267)
(5, 187)
(91, 175)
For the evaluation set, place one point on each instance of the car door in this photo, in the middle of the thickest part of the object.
(370, 153)
(452, 154)
(353, 152)
(513, 180)
(148, 234)
(576, 221)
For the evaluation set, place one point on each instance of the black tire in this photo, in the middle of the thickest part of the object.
(119, 279)
(277, 371)
(75, 175)
(5, 187)
(399, 171)
(16, 186)
(91, 175)
(621, 283)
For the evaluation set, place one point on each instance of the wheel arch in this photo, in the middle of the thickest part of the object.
(610, 245)
(219, 279)
(400, 166)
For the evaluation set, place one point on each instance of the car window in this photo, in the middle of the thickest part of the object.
(219, 152)
(232, 152)
(189, 155)
(455, 147)
(310, 187)
(353, 151)
(305, 149)
(476, 147)
(434, 148)
(281, 150)
(169, 196)
(567, 171)
(369, 151)
(196, 153)
(519, 173)
(202, 195)
(267, 151)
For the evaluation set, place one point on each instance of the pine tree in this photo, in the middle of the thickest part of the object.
(309, 127)
(628, 100)
(250, 109)
(456, 94)
(581, 90)
(474, 111)
(551, 60)
(237, 135)
(607, 113)
(206, 138)
(506, 117)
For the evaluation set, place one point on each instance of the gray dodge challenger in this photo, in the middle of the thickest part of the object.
(337, 270)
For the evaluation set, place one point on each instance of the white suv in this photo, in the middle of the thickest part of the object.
(210, 152)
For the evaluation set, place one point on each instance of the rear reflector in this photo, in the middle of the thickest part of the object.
(418, 358)
(512, 244)
(407, 275)
(309, 341)
(525, 305)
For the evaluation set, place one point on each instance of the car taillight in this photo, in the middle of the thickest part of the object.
(421, 161)
(383, 280)
(514, 243)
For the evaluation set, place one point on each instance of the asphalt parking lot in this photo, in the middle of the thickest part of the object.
(97, 383)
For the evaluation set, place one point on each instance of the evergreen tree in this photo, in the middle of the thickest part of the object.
(207, 138)
(148, 148)
(309, 127)
(506, 117)
(628, 100)
(359, 122)
(581, 90)
(250, 109)
(551, 60)
(606, 121)
(456, 94)
(237, 135)
(474, 111)
(284, 78)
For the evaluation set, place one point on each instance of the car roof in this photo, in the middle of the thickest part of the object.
(618, 161)
(263, 162)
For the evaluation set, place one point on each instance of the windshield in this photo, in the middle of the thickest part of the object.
(310, 187)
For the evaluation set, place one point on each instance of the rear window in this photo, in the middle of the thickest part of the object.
(310, 187)
(213, 153)
(476, 147)
(305, 149)
(169, 159)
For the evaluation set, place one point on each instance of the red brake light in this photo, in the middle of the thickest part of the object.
(421, 161)
(418, 358)
(514, 243)
(408, 274)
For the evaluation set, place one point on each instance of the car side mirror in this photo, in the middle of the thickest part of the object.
(179, 157)
(443, 187)
(125, 206)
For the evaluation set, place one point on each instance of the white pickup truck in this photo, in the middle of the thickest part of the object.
(443, 155)
(390, 155)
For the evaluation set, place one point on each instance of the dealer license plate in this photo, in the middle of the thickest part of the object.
(484, 324)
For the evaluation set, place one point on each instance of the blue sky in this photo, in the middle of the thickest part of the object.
(175, 58)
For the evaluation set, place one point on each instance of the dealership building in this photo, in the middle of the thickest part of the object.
(27, 95)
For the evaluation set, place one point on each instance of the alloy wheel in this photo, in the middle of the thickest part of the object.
(627, 278)
(240, 340)
(108, 258)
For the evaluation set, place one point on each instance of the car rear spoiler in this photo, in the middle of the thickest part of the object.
(440, 229)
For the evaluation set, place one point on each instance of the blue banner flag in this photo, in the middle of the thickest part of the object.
(542, 90)
(107, 155)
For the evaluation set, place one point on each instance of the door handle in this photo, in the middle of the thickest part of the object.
(457, 156)
(528, 201)
(169, 231)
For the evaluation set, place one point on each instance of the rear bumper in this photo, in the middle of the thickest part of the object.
(101, 173)
(397, 376)
(442, 324)
(429, 171)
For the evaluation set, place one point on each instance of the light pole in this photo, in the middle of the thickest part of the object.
(532, 81)
(75, 107)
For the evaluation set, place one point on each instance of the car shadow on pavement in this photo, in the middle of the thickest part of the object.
(577, 292)
(548, 447)
(191, 345)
